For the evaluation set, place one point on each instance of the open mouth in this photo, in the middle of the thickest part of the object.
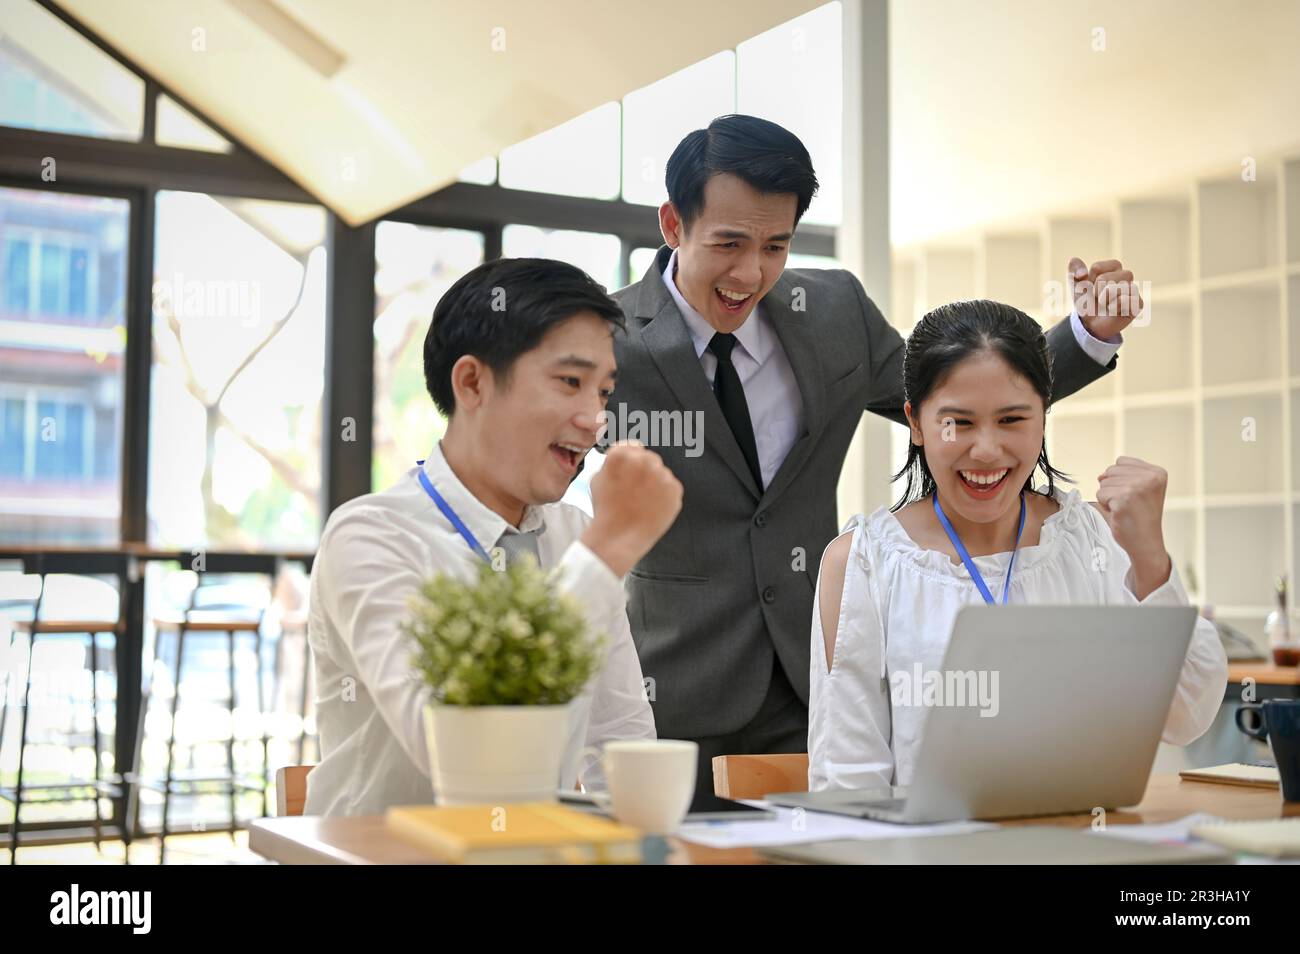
(732, 301)
(568, 456)
(983, 484)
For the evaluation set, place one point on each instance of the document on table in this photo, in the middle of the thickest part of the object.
(1178, 830)
(794, 826)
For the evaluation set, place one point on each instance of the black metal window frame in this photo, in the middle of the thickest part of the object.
(137, 171)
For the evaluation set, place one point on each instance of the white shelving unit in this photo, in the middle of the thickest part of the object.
(1208, 386)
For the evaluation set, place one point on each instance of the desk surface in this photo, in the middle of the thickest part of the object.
(364, 840)
(1265, 674)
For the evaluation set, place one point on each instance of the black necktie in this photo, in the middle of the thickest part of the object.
(731, 398)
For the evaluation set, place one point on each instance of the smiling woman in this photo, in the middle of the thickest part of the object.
(971, 524)
(979, 454)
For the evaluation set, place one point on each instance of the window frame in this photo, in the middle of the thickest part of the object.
(137, 171)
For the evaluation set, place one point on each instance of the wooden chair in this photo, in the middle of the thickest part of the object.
(291, 789)
(753, 776)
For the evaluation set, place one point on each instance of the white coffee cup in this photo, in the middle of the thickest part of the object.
(651, 782)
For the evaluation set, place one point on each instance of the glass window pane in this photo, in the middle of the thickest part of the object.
(238, 373)
(13, 436)
(414, 266)
(53, 79)
(78, 276)
(18, 273)
(74, 443)
(578, 158)
(54, 278)
(62, 344)
(483, 172)
(177, 126)
(595, 253)
(657, 117)
(47, 451)
(638, 262)
(795, 260)
(103, 457)
(792, 75)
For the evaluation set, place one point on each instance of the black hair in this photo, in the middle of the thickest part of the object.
(949, 335)
(767, 156)
(502, 309)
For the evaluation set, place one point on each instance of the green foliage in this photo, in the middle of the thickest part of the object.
(507, 638)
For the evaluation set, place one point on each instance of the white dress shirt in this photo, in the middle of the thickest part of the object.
(375, 552)
(900, 601)
(771, 392)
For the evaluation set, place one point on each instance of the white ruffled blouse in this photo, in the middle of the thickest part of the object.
(900, 602)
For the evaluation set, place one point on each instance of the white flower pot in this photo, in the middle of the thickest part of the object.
(495, 754)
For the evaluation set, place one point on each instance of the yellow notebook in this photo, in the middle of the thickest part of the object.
(524, 833)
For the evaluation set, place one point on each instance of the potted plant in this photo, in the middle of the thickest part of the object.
(504, 654)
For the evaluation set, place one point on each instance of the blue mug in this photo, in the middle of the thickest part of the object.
(1278, 725)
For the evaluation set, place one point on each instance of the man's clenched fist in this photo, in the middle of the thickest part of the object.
(1105, 296)
(635, 499)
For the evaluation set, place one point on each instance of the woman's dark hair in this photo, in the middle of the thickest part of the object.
(767, 156)
(949, 335)
(500, 310)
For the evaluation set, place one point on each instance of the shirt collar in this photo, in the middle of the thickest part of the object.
(485, 523)
(754, 335)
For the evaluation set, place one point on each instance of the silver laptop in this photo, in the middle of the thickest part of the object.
(1082, 695)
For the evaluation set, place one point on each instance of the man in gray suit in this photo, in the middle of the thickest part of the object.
(777, 366)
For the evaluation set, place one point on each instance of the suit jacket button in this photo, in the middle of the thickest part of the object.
(761, 519)
(769, 594)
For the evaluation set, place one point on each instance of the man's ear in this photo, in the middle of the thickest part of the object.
(670, 224)
(913, 424)
(471, 379)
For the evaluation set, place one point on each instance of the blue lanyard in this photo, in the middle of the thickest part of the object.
(450, 514)
(970, 564)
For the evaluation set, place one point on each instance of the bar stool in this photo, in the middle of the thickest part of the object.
(203, 616)
(41, 625)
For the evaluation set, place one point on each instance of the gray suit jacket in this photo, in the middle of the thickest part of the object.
(725, 587)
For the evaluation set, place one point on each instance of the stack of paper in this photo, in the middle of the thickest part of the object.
(1274, 837)
(794, 826)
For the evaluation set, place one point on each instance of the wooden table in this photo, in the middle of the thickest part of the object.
(364, 840)
(1264, 674)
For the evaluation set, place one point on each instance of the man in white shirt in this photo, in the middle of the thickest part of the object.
(519, 357)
